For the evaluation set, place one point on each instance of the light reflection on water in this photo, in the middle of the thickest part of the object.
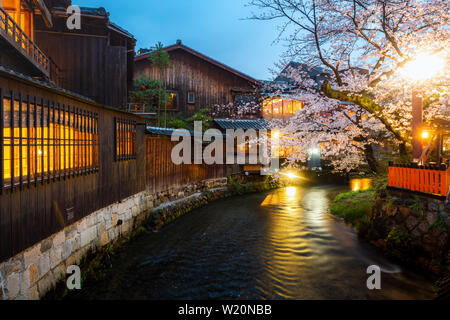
(282, 245)
(360, 184)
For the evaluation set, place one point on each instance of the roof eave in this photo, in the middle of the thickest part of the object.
(206, 58)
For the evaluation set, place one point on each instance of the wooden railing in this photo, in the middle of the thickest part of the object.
(431, 179)
(22, 42)
(140, 108)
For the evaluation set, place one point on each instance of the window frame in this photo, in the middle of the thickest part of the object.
(40, 137)
(124, 148)
(193, 97)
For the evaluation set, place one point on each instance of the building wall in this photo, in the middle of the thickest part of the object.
(33, 272)
(30, 213)
(89, 63)
(188, 73)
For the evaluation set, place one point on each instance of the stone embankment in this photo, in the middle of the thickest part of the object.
(413, 228)
(33, 272)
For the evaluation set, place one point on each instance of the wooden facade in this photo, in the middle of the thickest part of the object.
(95, 61)
(196, 80)
(34, 208)
(163, 174)
(19, 51)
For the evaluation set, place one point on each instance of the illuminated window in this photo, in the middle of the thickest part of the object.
(125, 139)
(172, 104)
(281, 107)
(22, 15)
(43, 141)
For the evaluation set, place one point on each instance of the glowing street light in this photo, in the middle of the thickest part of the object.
(314, 151)
(423, 67)
(425, 135)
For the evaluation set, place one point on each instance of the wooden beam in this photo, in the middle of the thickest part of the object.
(46, 15)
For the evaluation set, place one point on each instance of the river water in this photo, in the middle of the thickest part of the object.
(278, 245)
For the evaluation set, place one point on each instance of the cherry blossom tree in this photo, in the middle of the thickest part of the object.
(364, 46)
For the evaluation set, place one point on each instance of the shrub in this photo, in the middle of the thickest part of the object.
(355, 208)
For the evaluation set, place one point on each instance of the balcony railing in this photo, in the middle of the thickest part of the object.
(12, 32)
(429, 179)
(140, 108)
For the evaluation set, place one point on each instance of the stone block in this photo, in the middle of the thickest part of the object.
(55, 257)
(46, 245)
(104, 238)
(432, 217)
(423, 227)
(13, 285)
(405, 211)
(88, 236)
(15, 264)
(32, 255)
(433, 206)
(411, 222)
(70, 233)
(44, 264)
(114, 219)
(66, 250)
(32, 275)
(76, 242)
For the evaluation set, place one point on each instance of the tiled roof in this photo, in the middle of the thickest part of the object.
(242, 124)
(160, 131)
(166, 131)
(42, 83)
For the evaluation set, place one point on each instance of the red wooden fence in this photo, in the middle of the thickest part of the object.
(163, 174)
(429, 179)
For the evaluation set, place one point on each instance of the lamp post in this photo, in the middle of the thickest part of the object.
(417, 121)
(423, 67)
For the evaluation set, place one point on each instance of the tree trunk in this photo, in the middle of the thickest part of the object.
(370, 158)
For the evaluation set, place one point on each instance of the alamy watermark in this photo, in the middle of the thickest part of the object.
(74, 280)
(74, 20)
(244, 147)
(374, 281)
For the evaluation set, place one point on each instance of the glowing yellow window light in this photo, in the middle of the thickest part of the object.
(37, 150)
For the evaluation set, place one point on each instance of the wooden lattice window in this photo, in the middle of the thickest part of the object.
(41, 140)
(125, 139)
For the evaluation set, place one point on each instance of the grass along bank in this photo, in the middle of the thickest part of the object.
(355, 208)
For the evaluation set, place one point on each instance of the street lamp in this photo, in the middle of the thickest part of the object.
(423, 67)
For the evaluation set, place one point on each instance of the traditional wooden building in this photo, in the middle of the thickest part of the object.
(62, 157)
(196, 81)
(64, 151)
(95, 61)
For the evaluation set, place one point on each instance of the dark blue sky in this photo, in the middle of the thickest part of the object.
(212, 27)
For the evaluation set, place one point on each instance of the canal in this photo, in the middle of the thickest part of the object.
(278, 245)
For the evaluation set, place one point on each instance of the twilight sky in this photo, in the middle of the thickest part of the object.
(216, 28)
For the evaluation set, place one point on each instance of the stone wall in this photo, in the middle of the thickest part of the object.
(412, 227)
(32, 273)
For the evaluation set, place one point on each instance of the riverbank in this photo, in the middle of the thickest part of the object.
(280, 244)
(411, 229)
(97, 261)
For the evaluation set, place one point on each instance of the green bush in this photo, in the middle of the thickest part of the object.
(355, 208)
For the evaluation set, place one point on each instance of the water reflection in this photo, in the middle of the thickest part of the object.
(360, 184)
(282, 245)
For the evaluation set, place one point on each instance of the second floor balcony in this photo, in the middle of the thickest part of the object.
(20, 41)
